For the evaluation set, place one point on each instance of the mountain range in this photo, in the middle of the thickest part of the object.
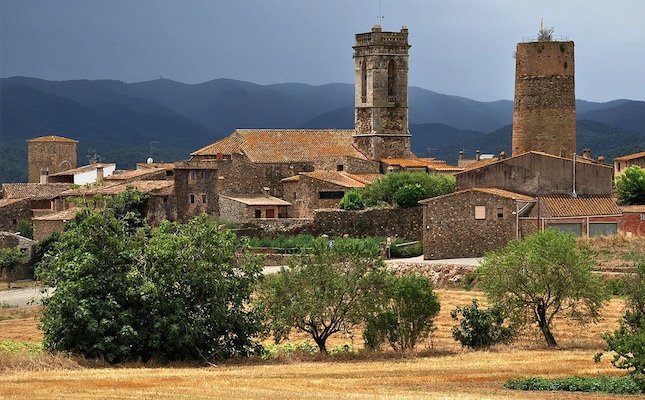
(167, 120)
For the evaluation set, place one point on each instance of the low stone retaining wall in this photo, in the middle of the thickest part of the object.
(442, 275)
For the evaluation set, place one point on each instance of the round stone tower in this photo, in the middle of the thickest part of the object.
(381, 94)
(49, 155)
(544, 117)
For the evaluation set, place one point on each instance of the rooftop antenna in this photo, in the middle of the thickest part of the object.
(380, 14)
(150, 155)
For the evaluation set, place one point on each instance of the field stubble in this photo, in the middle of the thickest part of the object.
(441, 369)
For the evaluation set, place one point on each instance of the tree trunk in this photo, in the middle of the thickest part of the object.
(322, 346)
(544, 326)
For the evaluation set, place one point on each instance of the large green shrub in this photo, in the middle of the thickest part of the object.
(630, 186)
(382, 191)
(409, 195)
(352, 200)
(406, 317)
(479, 328)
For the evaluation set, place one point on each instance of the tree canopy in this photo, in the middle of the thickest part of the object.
(540, 277)
(630, 186)
(10, 259)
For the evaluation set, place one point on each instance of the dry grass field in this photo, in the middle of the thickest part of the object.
(441, 369)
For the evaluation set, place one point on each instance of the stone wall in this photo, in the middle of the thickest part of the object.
(56, 155)
(405, 223)
(196, 189)
(350, 165)
(12, 211)
(442, 275)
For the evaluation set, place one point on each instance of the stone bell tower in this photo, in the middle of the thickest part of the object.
(381, 94)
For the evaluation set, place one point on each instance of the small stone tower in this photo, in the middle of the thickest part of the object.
(544, 117)
(49, 155)
(381, 99)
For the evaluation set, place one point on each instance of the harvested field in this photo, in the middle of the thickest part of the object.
(441, 370)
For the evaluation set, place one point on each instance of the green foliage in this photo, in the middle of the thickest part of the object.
(411, 250)
(25, 228)
(630, 186)
(13, 346)
(545, 35)
(409, 195)
(383, 190)
(272, 351)
(481, 328)
(602, 384)
(352, 200)
(627, 343)
(543, 276)
(125, 292)
(615, 287)
(326, 291)
(10, 259)
(406, 316)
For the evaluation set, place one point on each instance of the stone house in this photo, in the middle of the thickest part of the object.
(624, 162)
(45, 225)
(28, 248)
(471, 222)
(309, 191)
(536, 173)
(246, 208)
(24, 201)
(49, 155)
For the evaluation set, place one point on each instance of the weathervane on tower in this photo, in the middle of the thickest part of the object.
(380, 14)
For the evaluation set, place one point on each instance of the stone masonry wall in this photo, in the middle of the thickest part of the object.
(403, 223)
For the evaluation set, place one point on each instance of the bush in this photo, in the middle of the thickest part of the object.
(409, 195)
(411, 250)
(407, 316)
(602, 384)
(352, 200)
(383, 190)
(480, 328)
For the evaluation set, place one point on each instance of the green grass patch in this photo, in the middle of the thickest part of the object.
(17, 346)
(601, 384)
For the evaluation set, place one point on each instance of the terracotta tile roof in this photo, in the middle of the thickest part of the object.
(284, 145)
(65, 215)
(52, 139)
(258, 200)
(34, 190)
(632, 209)
(134, 174)
(8, 202)
(111, 188)
(630, 156)
(85, 168)
(342, 178)
(554, 206)
(294, 178)
(474, 164)
(495, 192)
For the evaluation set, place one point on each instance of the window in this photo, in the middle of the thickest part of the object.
(192, 175)
(603, 228)
(340, 167)
(270, 212)
(192, 199)
(643, 217)
(391, 81)
(204, 198)
(331, 195)
(258, 213)
(500, 213)
(363, 82)
(480, 212)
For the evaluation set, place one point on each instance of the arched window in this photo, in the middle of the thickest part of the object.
(391, 81)
(363, 81)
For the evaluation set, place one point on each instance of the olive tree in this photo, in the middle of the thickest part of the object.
(541, 277)
(329, 289)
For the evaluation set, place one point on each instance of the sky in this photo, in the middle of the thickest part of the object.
(459, 47)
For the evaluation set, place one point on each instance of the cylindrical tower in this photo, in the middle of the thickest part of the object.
(544, 117)
(381, 100)
(49, 155)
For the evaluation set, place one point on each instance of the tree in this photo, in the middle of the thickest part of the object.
(407, 315)
(331, 289)
(481, 328)
(25, 228)
(383, 190)
(126, 292)
(630, 186)
(352, 200)
(543, 276)
(628, 342)
(409, 195)
(10, 259)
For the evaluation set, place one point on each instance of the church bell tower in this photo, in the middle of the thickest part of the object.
(381, 94)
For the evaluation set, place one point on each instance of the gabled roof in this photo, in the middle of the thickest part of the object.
(8, 202)
(343, 178)
(36, 191)
(486, 163)
(64, 215)
(630, 156)
(257, 200)
(111, 188)
(85, 168)
(495, 192)
(429, 163)
(557, 206)
(134, 174)
(284, 145)
(52, 139)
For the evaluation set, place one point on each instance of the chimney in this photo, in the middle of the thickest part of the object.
(586, 153)
(266, 191)
(220, 156)
(99, 173)
(601, 159)
(461, 154)
(477, 155)
(44, 175)
(502, 155)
